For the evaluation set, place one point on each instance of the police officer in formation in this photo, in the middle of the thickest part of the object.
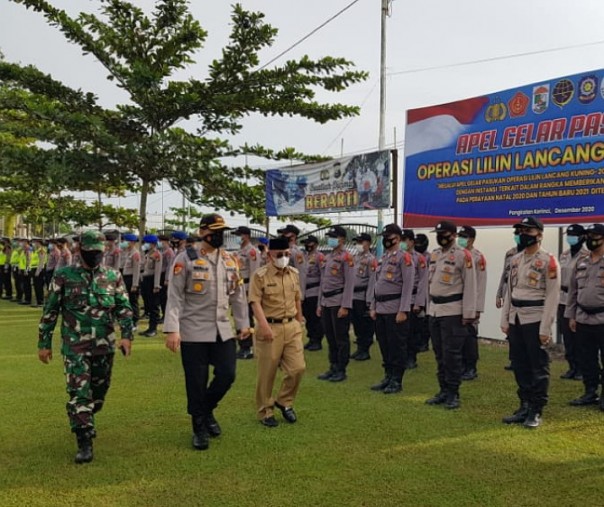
(5, 281)
(167, 258)
(466, 237)
(131, 269)
(362, 323)
(585, 311)
(275, 297)
(575, 238)
(204, 283)
(297, 259)
(421, 245)
(528, 312)
(335, 303)
(389, 296)
(249, 261)
(37, 271)
(452, 308)
(151, 283)
(90, 298)
(54, 256)
(315, 262)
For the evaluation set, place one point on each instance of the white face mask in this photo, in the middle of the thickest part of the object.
(238, 240)
(282, 262)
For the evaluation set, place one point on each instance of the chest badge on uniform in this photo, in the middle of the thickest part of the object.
(334, 271)
(198, 287)
(201, 262)
(538, 263)
(229, 264)
(389, 275)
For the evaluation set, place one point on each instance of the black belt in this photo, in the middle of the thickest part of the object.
(246, 280)
(414, 291)
(333, 293)
(312, 285)
(270, 320)
(441, 300)
(564, 288)
(591, 310)
(524, 303)
(360, 288)
(387, 297)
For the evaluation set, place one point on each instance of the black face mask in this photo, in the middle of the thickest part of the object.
(308, 248)
(92, 258)
(388, 243)
(527, 240)
(444, 240)
(421, 248)
(593, 244)
(216, 239)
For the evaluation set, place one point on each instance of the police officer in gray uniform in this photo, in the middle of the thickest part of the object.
(528, 312)
(585, 311)
(297, 258)
(203, 284)
(390, 294)
(362, 323)
(315, 261)
(335, 304)
(151, 283)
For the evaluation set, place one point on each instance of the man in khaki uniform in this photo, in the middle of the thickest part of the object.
(529, 310)
(585, 311)
(249, 261)
(204, 282)
(452, 308)
(275, 297)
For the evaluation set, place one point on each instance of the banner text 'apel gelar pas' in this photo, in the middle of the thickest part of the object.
(357, 183)
(535, 150)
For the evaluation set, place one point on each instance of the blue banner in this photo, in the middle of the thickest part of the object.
(535, 150)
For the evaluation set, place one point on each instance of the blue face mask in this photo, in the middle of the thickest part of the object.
(462, 242)
(573, 240)
(237, 240)
(332, 242)
(517, 239)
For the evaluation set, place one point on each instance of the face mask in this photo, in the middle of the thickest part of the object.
(388, 243)
(404, 246)
(462, 242)
(517, 239)
(124, 245)
(593, 244)
(527, 240)
(215, 240)
(160, 246)
(238, 240)
(332, 242)
(92, 258)
(444, 239)
(146, 247)
(421, 248)
(355, 250)
(308, 248)
(573, 240)
(282, 262)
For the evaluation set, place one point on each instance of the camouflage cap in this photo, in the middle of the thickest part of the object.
(92, 240)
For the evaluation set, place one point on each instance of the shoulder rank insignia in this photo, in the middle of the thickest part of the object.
(468, 256)
(552, 268)
(178, 267)
(482, 263)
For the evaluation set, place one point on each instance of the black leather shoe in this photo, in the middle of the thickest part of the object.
(201, 440)
(381, 385)
(327, 375)
(393, 387)
(469, 375)
(586, 399)
(517, 417)
(438, 399)
(245, 354)
(569, 375)
(269, 422)
(149, 333)
(312, 346)
(452, 401)
(338, 376)
(288, 413)
(362, 356)
(533, 420)
(212, 426)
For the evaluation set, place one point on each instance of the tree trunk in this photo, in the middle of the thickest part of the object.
(142, 223)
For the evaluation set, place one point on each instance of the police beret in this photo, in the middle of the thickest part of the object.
(445, 226)
(531, 223)
(467, 231)
(575, 230)
(150, 238)
(179, 235)
(263, 241)
(129, 237)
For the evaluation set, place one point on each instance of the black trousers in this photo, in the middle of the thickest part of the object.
(133, 298)
(571, 354)
(38, 284)
(392, 338)
(249, 341)
(448, 337)
(470, 353)
(314, 325)
(163, 294)
(415, 341)
(590, 341)
(151, 301)
(48, 277)
(531, 364)
(26, 280)
(18, 283)
(4, 282)
(363, 324)
(338, 339)
(197, 358)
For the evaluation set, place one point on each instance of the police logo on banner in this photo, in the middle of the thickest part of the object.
(518, 105)
(588, 87)
(563, 91)
(497, 111)
(540, 98)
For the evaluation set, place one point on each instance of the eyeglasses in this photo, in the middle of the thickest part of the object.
(281, 254)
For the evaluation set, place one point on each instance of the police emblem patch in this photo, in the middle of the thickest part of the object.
(540, 98)
(496, 111)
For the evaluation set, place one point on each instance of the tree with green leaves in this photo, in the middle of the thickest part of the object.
(141, 53)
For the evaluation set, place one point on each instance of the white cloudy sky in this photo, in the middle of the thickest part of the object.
(438, 51)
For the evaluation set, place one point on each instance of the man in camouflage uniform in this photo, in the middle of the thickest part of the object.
(90, 298)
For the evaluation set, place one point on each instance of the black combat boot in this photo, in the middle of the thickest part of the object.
(329, 373)
(394, 386)
(519, 416)
(382, 383)
(438, 399)
(201, 437)
(452, 401)
(589, 398)
(84, 437)
(338, 376)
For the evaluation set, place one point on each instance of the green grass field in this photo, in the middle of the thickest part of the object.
(351, 446)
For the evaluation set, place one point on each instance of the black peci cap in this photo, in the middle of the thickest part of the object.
(278, 244)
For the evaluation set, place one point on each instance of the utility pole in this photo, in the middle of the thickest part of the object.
(385, 10)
